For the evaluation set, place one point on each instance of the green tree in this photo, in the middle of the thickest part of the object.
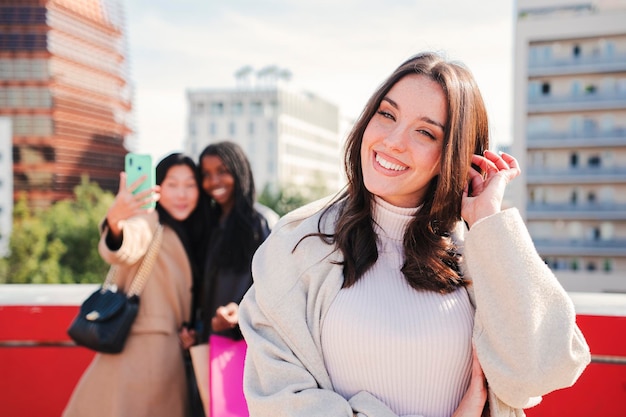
(75, 223)
(58, 245)
(289, 197)
(27, 246)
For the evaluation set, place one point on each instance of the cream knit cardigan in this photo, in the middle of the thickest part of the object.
(525, 329)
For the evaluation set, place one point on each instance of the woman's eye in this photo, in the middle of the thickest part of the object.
(427, 133)
(386, 114)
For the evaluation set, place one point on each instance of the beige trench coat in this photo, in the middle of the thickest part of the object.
(148, 378)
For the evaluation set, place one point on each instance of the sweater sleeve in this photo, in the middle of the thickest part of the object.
(525, 329)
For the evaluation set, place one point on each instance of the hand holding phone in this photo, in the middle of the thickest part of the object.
(136, 166)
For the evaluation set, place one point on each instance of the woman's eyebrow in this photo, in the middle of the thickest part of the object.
(390, 101)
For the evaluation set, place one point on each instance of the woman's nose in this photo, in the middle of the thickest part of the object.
(214, 181)
(396, 139)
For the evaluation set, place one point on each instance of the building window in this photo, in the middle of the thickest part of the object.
(545, 89)
(607, 265)
(576, 87)
(546, 53)
(256, 108)
(607, 123)
(236, 108)
(595, 233)
(607, 231)
(594, 161)
(251, 128)
(609, 49)
(232, 128)
(213, 128)
(573, 160)
(192, 129)
(576, 50)
(590, 126)
(217, 108)
(23, 41)
(591, 197)
(273, 108)
(607, 195)
(590, 89)
(198, 107)
(534, 89)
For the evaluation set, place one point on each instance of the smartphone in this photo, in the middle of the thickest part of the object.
(137, 165)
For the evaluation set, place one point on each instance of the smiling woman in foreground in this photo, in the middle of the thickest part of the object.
(412, 293)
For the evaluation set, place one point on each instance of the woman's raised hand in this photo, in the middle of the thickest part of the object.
(487, 189)
(127, 204)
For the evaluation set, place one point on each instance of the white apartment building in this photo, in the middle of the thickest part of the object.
(570, 135)
(292, 138)
(6, 184)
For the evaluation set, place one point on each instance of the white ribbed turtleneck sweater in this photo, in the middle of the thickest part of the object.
(411, 349)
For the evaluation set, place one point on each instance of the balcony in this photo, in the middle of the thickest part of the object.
(569, 211)
(576, 175)
(577, 102)
(577, 65)
(581, 247)
(589, 138)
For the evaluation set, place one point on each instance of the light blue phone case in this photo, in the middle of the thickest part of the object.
(136, 165)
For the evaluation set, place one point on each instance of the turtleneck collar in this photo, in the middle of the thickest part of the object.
(389, 220)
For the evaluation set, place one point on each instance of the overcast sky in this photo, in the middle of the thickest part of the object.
(338, 49)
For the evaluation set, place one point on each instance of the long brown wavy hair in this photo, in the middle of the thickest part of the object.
(431, 258)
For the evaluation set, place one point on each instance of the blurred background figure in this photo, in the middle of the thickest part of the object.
(147, 379)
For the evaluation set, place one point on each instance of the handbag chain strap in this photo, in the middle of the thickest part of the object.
(144, 269)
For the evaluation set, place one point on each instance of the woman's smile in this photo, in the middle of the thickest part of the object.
(388, 163)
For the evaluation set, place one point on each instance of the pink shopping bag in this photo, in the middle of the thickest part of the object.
(226, 377)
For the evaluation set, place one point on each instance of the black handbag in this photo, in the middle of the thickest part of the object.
(106, 316)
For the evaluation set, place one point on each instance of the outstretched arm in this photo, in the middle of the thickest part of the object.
(127, 204)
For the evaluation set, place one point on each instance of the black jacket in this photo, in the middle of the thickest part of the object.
(223, 284)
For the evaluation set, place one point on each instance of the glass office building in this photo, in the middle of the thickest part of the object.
(64, 84)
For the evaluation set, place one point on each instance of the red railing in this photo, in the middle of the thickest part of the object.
(39, 365)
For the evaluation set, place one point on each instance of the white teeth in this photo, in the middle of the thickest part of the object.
(220, 190)
(389, 165)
